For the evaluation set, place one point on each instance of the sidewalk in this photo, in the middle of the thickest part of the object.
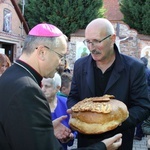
(137, 145)
(140, 145)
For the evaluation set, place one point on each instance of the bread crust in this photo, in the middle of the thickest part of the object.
(98, 114)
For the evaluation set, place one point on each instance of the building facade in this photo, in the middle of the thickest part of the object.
(13, 29)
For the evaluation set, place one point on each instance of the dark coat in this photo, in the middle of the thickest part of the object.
(24, 113)
(127, 83)
(25, 121)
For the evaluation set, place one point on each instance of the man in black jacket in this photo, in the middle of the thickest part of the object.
(106, 71)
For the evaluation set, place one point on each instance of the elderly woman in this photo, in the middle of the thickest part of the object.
(4, 63)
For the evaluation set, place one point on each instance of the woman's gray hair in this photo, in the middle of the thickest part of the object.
(55, 81)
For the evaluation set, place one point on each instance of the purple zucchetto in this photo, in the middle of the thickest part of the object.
(45, 30)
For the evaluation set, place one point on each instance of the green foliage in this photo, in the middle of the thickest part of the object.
(35, 12)
(68, 15)
(136, 14)
(146, 17)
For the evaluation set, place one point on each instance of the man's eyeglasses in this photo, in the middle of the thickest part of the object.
(60, 55)
(95, 42)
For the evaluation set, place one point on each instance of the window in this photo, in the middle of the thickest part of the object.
(7, 20)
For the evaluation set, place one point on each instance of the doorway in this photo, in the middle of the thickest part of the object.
(9, 50)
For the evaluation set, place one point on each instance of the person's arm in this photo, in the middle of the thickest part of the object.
(112, 143)
(61, 132)
(139, 104)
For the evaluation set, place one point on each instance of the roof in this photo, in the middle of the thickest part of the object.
(79, 33)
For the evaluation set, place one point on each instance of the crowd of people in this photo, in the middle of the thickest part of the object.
(38, 90)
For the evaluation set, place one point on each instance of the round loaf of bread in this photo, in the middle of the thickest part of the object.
(98, 114)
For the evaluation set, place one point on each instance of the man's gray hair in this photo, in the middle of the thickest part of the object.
(31, 42)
